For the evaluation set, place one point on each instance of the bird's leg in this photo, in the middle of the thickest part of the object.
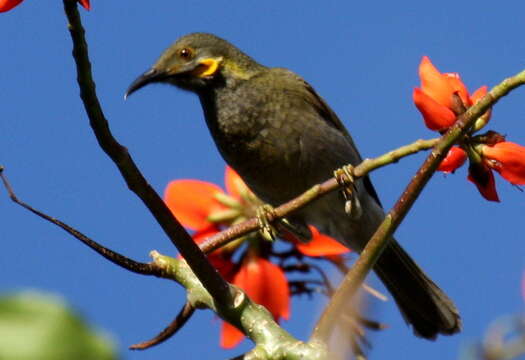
(345, 178)
(265, 214)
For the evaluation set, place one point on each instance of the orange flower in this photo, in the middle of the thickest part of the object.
(266, 284)
(6, 5)
(508, 159)
(455, 158)
(442, 96)
(193, 201)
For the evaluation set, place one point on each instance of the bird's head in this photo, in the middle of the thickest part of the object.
(197, 62)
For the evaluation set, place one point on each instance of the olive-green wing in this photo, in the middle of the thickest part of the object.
(328, 115)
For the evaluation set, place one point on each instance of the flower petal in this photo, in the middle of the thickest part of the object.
(455, 158)
(230, 336)
(508, 159)
(192, 201)
(437, 117)
(321, 245)
(478, 94)
(234, 184)
(459, 88)
(484, 119)
(483, 178)
(266, 284)
(6, 5)
(223, 264)
(436, 85)
(85, 4)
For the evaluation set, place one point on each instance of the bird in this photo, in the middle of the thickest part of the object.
(282, 138)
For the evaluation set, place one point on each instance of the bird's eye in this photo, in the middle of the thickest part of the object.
(185, 53)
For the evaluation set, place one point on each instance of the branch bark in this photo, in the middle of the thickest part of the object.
(136, 182)
(271, 340)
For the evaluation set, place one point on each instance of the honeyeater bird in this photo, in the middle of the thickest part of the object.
(282, 138)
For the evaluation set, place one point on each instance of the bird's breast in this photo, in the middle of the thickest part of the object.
(256, 140)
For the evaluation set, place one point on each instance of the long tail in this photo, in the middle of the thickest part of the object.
(423, 304)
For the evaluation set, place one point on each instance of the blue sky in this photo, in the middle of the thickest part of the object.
(362, 57)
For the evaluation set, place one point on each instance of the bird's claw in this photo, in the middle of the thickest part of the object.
(345, 178)
(265, 213)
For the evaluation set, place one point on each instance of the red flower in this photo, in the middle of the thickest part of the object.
(455, 158)
(508, 159)
(481, 176)
(442, 96)
(85, 4)
(321, 245)
(6, 5)
(266, 284)
(505, 157)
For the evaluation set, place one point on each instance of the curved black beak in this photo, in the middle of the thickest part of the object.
(150, 76)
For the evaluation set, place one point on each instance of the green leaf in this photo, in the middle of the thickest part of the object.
(40, 326)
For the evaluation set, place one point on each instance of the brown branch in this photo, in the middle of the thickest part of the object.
(381, 237)
(204, 271)
(114, 257)
(182, 317)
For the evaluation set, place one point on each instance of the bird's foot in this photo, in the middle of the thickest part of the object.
(265, 214)
(345, 178)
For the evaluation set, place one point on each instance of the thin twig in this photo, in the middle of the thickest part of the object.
(198, 262)
(182, 317)
(381, 237)
(114, 257)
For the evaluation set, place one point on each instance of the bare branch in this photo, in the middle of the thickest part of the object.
(271, 340)
(136, 182)
(182, 317)
(114, 257)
